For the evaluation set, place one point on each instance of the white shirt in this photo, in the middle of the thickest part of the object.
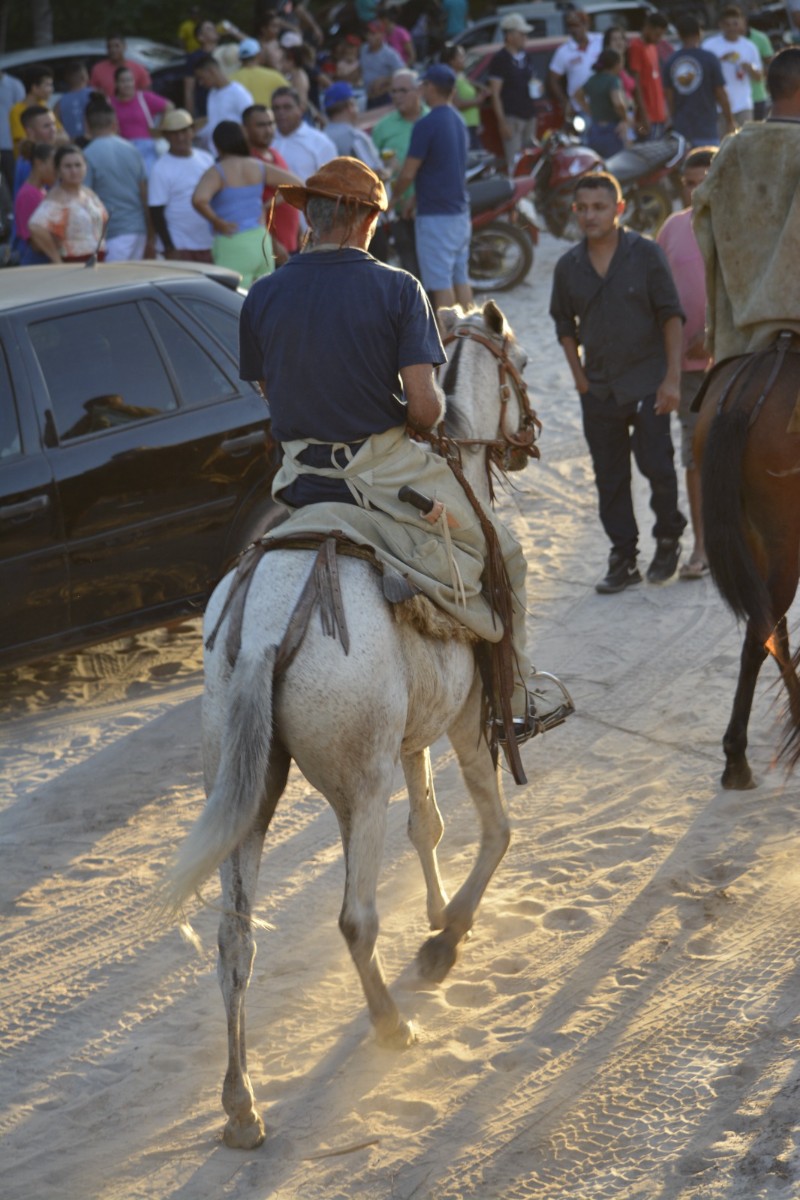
(305, 150)
(732, 54)
(225, 104)
(172, 182)
(576, 63)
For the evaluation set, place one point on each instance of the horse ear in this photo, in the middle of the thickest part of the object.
(447, 318)
(493, 317)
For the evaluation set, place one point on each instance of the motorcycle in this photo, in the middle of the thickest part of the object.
(642, 169)
(504, 232)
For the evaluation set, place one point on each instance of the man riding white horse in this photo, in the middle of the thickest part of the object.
(345, 350)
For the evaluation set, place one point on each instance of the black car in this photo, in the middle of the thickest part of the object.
(134, 463)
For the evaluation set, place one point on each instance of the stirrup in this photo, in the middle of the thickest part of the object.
(542, 714)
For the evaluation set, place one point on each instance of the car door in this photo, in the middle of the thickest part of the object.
(33, 565)
(148, 453)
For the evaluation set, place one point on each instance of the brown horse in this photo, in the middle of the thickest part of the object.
(748, 442)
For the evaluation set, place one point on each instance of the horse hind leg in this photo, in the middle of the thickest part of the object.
(439, 953)
(425, 828)
(239, 876)
(363, 828)
(737, 774)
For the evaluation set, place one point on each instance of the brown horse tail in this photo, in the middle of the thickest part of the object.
(730, 557)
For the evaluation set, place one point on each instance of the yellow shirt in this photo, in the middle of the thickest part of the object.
(15, 122)
(260, 82)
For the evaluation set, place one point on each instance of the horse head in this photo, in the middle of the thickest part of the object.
(488, 404)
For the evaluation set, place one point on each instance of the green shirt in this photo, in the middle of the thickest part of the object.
(393, 132)
(764, 47)
(467, 91)
(599, 89)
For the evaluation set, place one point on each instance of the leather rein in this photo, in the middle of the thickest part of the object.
(511, 449)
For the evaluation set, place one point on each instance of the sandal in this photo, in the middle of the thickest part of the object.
(693, 570)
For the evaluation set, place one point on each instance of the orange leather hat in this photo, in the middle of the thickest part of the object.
(345, 179)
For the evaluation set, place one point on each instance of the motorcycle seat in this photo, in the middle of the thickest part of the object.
(642, 158)
(486, 194)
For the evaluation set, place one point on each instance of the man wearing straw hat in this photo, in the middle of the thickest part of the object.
(345, 349)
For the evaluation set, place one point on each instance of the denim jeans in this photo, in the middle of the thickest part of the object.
(612, 431)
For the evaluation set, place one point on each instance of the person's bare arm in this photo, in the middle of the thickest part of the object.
(570, 348)
(275, 176)
(43, 241)
(555, 86)
(150, 243)
(668, 395)
(408, 173)
(424, 397)
(724, 103)
(209, 185)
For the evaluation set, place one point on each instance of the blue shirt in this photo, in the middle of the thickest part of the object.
(115, 171)
(328, 333)
(693, 75)
(440, 141)
(71, 108)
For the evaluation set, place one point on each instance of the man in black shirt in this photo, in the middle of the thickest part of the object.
(613, 294)
(512, 86)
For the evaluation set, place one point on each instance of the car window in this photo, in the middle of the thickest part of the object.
(102, 369)
(9, 422)
(220, 322)
(198, 377)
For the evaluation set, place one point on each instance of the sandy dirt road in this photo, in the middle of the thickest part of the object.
(623, 1023)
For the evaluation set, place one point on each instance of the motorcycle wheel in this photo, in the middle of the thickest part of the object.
(500, 256)
(649, 208)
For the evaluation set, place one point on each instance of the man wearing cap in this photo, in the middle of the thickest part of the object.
(341, 111)
(436, 164)
(184, 234)
(342, 409)
(512, 85)
(260, 81)
(378, 64)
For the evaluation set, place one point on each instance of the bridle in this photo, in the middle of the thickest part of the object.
(511, 450)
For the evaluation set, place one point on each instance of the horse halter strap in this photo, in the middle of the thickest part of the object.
(523, 440)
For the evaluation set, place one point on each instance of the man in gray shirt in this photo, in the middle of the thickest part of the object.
(613, 294)
(378, 64)
(115, 171)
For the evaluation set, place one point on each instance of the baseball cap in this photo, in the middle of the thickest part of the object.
(440, 75)
(515, 23)
(249, 48)
(337, 93)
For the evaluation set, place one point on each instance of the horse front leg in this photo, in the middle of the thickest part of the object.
(737, 774)
(438, 954)
(363, 828)
(425, 828)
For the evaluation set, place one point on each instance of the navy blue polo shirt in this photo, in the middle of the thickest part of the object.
(516, 74)
(328, 333)
(440, 140)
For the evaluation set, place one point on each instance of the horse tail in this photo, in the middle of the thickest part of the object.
(730, 558)
(233, 803)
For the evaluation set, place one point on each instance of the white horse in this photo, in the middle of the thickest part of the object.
(348, 719)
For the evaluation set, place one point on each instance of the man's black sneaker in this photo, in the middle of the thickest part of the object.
(622, 573)
(665, 560)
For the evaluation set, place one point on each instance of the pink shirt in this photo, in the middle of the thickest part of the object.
(28, 200)
(132, 117)
(102, 76)
(676, 238)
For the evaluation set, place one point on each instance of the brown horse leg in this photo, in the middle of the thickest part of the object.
(425, 828)
(737, 774)
(438, 954)
(239, 875)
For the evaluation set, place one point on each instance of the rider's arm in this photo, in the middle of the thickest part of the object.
(424, 397)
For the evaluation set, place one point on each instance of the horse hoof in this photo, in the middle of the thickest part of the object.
(436, 958)
(738, 779)
(400, 1038)
(244, 1137)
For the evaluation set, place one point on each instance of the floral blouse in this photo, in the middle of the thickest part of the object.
(76, 222)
